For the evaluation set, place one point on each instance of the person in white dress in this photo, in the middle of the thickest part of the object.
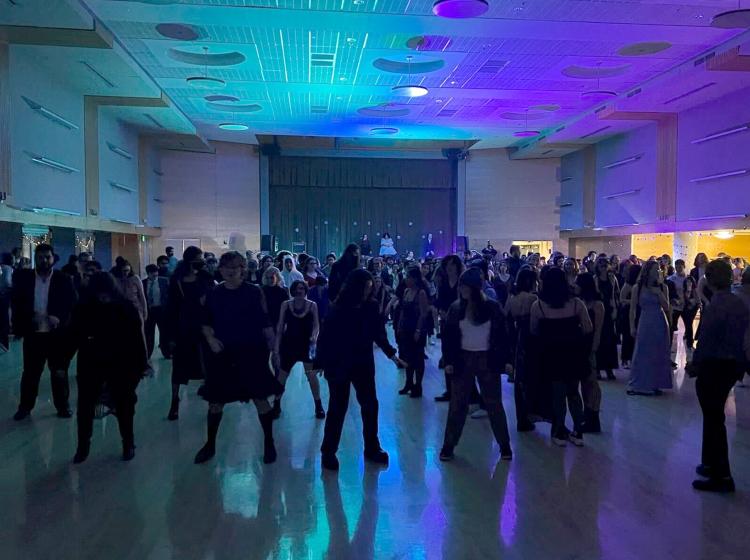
(386, 246)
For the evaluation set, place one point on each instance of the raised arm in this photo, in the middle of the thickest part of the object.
(316, 321)
(280, 327)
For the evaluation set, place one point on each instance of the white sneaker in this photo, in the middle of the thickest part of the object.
(473, 408)
(480, 413)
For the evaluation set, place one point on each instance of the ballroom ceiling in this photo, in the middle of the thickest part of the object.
(328, 67)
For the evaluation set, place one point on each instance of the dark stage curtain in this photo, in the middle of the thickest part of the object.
(328, 202)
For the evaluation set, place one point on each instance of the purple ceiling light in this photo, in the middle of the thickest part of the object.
(383, 130)
(526, 133)
(460, 9)
(732, 19)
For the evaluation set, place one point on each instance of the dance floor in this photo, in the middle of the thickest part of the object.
(625, 495)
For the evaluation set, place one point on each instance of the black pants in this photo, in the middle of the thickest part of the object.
(123, 398)
(5, 319)
(688, 317)
(565, 396)
(338, 403)
(155, 319)
(712, 386)
(40, 349)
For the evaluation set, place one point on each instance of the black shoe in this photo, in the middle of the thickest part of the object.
(416, 392)
(276, 409)
(320, 412)
(329, 461)
(128, 451)
(591, 423)
(64, 413)
(174, 410)
(445, 397)
(703, 470)
(205, 453)
(269, 452)
(506, 453)
(377, 456)
(21, 414)
(406, 390)
(715, 484)
(446, 454)
(82, 453)
(527, 426)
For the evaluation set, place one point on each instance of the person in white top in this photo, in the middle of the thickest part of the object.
(386, 246)
(289, 272)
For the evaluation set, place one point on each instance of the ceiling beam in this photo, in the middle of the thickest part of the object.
(95, 38)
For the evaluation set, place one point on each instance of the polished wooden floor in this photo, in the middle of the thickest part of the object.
(625, 495)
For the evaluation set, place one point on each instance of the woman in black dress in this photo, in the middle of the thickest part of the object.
(345, 354)
(411, 330)
(562, 323)
(254, 274)
(451, 267)
(106, 332)
(275, 293)
(238, 333)
(188, 288)
(606, 282)
(296, 338)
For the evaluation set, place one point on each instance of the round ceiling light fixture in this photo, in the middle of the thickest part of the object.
(178, 31)
(732, 19)
(460, 9)
(411, 89)
(383, 130)
(598, 94)
(234, 127)
(205, 81)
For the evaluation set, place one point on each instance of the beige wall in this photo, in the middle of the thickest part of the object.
(508, 200)
(211, 197)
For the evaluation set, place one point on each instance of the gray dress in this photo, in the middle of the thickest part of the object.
(651, 367)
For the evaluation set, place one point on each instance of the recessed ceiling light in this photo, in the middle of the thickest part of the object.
(351, 41)
(459, 9)
(411, 90)
(204, 82)
(358, 2)
(383, 130)
(733, 19)
(438, 101)
(342, 78)
(235, 127)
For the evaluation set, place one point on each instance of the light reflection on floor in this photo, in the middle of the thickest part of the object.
(625, 495)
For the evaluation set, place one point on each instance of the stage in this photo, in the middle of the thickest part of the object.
(625, 495)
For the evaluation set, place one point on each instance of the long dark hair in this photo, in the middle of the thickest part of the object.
(526, 280)
(472, 278)
(646, 272)
(633, 272)
(588, 289)
(190, 254)
(352, 292)
(104, 283)
(349, 258)
(455, 259)
(415, 273)
(555, 291)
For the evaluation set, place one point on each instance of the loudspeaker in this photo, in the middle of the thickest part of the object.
(268, 243)
(298, 247)
(460, 244)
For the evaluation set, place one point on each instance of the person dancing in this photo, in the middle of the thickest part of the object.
(476, 346)
(239, 336)
(296, 335)
(106, 332)
(345, 354)
(411, 330)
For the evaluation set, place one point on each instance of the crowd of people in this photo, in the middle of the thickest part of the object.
(239, 324)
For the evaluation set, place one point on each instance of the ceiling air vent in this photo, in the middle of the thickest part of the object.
(318, 109)
(324, 60)
(447, 112)
(492, 66)
(634, 92)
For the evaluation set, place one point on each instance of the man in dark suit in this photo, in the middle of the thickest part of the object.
(42, 301)
(156, 289)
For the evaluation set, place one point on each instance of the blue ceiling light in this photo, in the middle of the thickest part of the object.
(233, 127)
(410, 89)
(205, 81)
(460, 9)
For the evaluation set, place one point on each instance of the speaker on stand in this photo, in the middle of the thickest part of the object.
(268, 243)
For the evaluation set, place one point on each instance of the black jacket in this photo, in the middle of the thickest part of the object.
(163, 291)
(339, 271)
(499, 340)
(346, 339)
(62, 297)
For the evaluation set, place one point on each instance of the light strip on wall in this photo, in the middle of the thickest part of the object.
(119, 151)
(720, 217)
(51, 115)
(122, 187)
(720, 176)
(722, 134)
(623, 161)
(621, 194)
(96, 73)
(57, 211)
(621, 225)
(41, 160)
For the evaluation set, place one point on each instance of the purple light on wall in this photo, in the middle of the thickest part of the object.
(459, 9)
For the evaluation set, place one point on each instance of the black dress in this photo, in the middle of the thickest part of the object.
(185, 318)
(295, 340)
(240, 371)
(411, 351)
(275, 296)
(606, 355)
